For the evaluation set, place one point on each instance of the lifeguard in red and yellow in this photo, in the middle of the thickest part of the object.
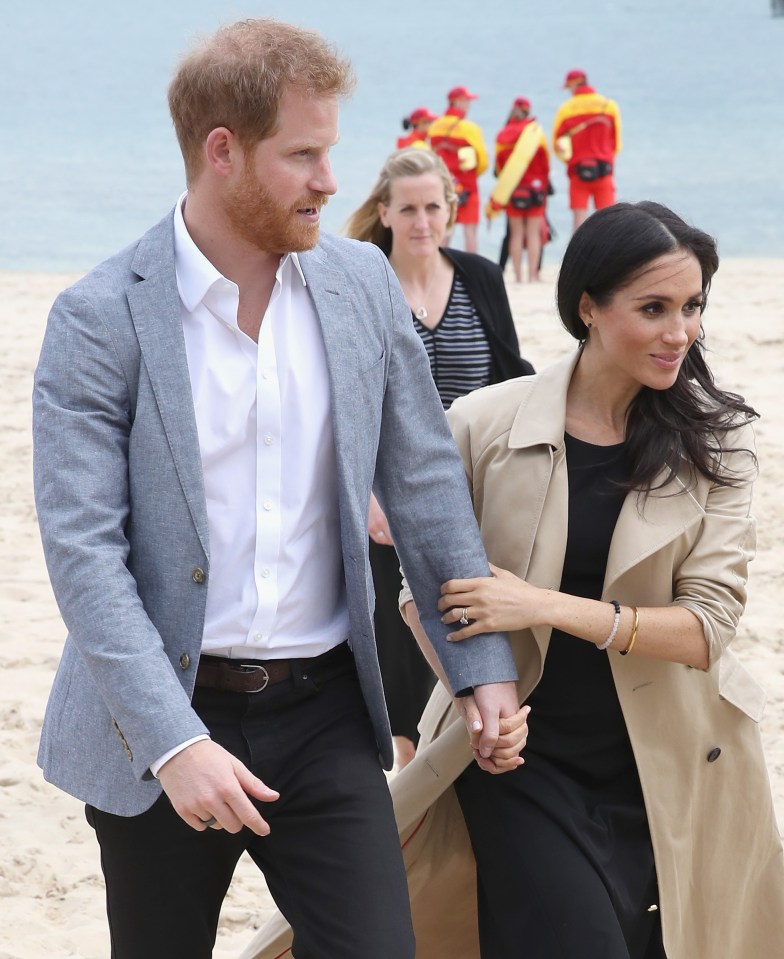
(419, 125)
(460, 144)
(587, 137)
(522, 165)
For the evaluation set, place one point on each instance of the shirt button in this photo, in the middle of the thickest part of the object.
(185, 660)
(265, 573)
(268, 440)
(258, 637)
(267, 504)
(198, 575)
(714, 754)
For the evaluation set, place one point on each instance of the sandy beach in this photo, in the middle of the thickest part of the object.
(50, 882)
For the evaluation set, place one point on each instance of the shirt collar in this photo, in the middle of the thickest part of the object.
(195, 274)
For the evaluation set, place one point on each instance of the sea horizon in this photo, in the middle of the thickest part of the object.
(91, 160)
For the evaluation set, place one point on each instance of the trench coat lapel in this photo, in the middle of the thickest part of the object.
(669, 512)
(540, 421)
(539, 427)
(154, 303)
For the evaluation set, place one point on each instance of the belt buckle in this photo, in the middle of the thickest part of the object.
(252, 668)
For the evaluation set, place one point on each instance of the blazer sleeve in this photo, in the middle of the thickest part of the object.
(82, 418)
(711, 580)
(421, 485)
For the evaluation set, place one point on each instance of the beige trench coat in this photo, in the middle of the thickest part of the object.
(718, 852)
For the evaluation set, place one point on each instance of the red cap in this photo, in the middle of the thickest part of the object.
(461, 93)
(573, 75)
(422, 113)
(522, 104)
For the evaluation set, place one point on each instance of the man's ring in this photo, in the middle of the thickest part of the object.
(209, 822)
(464, 618)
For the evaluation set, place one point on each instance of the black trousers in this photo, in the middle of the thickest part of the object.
(332, 860)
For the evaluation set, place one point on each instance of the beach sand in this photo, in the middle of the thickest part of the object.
(50, 882)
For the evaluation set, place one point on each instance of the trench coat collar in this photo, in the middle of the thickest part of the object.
(645, 525)
(541, 417)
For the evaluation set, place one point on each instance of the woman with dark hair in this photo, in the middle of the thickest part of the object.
(460, 308)
(613, 492)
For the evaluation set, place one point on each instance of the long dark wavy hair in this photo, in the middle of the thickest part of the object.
(687, 422)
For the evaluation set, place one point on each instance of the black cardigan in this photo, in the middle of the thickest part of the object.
(484, 283)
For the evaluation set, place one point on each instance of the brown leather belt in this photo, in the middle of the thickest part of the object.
(234, 676)
(238, 677)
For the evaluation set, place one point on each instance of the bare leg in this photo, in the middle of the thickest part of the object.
(580, 216)
(516, 246)
(533, 243)
(471, 237)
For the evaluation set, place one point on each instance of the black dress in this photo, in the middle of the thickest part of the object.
(564, 860)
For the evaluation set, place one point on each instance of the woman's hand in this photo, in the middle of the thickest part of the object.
(378, 527)
(497, 603)
(513, 733)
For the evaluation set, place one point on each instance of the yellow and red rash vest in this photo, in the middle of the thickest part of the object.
(601, 137)
(452, 131)
(538, 168)
(417, 138)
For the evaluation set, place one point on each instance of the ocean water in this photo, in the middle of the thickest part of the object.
(89, 159)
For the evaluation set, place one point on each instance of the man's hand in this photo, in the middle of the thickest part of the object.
(494, 702)
(204, 780)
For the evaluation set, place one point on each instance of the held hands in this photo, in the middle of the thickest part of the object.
(205, 781)
(498, 730)
(499, 603)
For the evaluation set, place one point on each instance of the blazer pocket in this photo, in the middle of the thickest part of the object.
(372, 367)
(738, 686)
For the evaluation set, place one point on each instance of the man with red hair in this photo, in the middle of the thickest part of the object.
(587, 137)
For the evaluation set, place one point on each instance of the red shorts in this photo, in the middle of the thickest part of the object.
(532, 211)
(602, 191)
(469, 211)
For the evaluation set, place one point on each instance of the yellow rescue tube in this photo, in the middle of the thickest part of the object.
(519, 160)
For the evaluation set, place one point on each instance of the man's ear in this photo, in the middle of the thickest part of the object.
(221, 150)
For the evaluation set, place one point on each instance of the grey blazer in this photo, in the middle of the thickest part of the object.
(121, 504)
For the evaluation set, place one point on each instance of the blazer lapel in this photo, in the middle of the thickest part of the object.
(155, 309)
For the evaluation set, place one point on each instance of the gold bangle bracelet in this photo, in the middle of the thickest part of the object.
(633, 636)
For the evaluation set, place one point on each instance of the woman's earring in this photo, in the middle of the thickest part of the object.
(589, 326)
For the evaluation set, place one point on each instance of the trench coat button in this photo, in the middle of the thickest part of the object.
(713, 755)
(198, 575)
(185, 660)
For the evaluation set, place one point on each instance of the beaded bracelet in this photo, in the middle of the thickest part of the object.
(633, 637)
(616, 623)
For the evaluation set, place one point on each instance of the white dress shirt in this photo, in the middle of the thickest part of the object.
(276, 586)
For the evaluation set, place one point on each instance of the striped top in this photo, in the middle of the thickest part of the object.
(460, 358)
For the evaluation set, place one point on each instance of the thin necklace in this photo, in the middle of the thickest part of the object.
(421, 313)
